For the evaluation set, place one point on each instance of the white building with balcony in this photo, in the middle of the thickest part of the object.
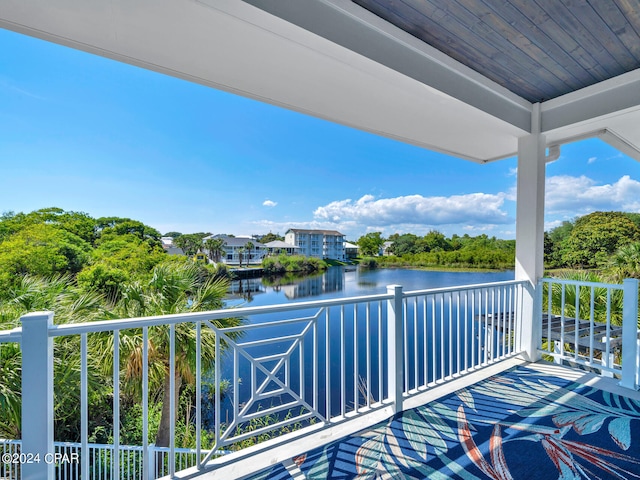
(317, 243)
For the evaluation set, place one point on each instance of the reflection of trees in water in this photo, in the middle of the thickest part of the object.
(246, 288)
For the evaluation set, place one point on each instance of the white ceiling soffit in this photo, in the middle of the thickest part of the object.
(392, 84)
(237, 47)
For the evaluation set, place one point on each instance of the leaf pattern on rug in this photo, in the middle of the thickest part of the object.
(496, 429)
(498, 469)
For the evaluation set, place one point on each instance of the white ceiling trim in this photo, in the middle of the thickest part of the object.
(604, 98)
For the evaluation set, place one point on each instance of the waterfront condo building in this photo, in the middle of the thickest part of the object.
(317, 243)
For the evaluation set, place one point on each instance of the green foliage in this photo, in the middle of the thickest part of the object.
(110, 227)
(271, 237)
(190, 243)
(597, 236)
(601, 307)
(69, 304)
(369, 262)
(435, 250)
(215, 248)
(625, 263)
(40, 249)
(77, 223)
(294, 263)
(370, 243)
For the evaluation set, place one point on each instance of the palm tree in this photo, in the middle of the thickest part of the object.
(70, 305)
(174, 288)
(215, 246)
(626, 262)
(240, 254)
(249, 247)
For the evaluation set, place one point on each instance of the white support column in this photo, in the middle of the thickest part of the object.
(530, 229)
(37, 395)
(395, 347)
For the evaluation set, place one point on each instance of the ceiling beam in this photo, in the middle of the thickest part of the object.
(350, 26)
(605, 98)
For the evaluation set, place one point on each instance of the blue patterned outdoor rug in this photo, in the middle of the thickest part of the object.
(520, 424)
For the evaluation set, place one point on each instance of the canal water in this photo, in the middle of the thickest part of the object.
(339, 282)
(356, 345)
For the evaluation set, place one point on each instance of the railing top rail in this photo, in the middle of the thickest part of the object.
(127, 323)
(11, 336)
(458, 288)
(581, 283)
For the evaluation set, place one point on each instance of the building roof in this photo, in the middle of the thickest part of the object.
(279, 244)
(350, 245)
(239, 241)
(315, 232)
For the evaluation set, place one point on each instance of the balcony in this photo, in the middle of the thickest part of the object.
(319, 377)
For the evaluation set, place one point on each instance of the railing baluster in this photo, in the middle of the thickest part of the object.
(356, 399)
(473, 326)
(368, 352)
(415, 343)
(459, 344)
(327, 388)
(146, 468)
(84, 406)
(172, 401)
(343, 366)
(405, 331)
(380, 356)
(425, 350)
(116, 403)
(198, 374)
(577, 323)
(434, 361)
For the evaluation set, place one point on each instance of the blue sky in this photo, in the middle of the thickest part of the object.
(89, 134)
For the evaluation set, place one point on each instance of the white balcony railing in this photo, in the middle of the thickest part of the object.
(297, 365)
(594, 325)
(66, 457)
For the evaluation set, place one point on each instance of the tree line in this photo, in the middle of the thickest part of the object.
(436, 250)
(604, 242)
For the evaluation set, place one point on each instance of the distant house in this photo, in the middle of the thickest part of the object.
(351, 250)
(317, 243)
(167, 242)
(234, 247)
(385, 249)
(278, 246)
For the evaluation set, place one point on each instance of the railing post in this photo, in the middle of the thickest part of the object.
(629, 333)
(395, 347)
(151, 462)
(37, 395)
(531, 320)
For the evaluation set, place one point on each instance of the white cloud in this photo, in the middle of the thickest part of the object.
(579, 195)
(591, 160)
(269, 203)
(470, 209)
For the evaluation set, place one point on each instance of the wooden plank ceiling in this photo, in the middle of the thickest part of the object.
(537, 49)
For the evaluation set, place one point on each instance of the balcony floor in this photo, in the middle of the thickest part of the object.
(528, 421)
